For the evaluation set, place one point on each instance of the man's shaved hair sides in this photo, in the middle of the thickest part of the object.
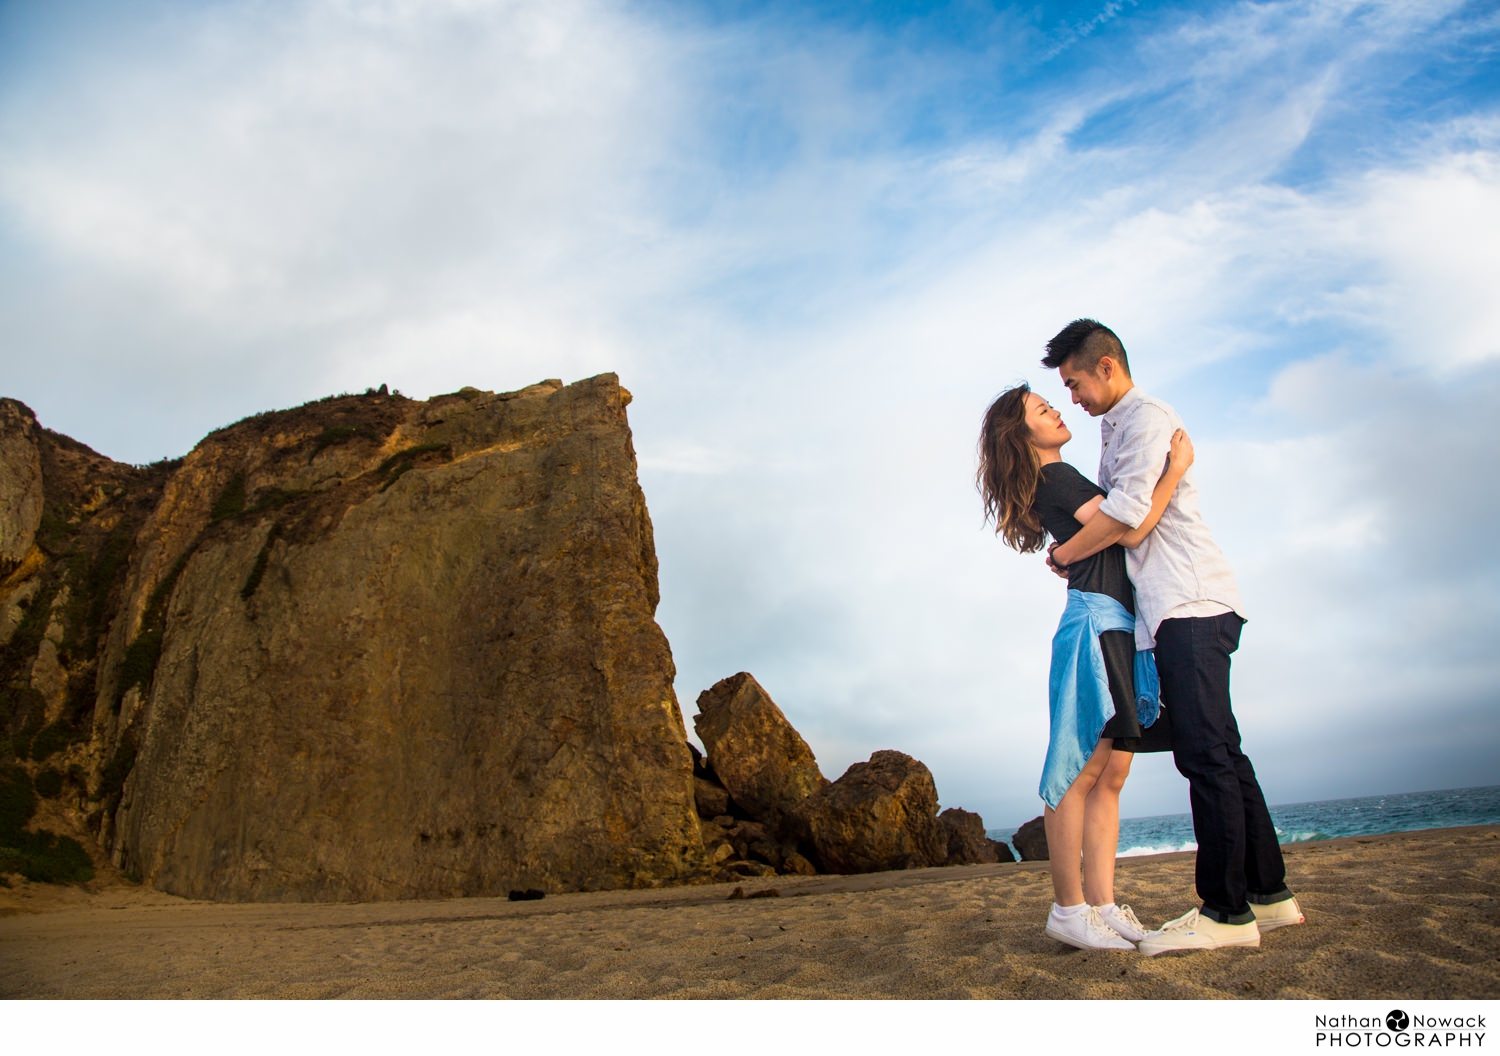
(1084, 342)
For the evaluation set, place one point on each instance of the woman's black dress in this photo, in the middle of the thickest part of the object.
(1061, 491)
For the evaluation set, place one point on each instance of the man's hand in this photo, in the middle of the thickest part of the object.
(1057, 570)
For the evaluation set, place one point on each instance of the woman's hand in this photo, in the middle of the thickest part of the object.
(1180, 454)
(1179, 458)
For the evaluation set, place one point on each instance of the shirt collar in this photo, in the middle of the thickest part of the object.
(1122, 407)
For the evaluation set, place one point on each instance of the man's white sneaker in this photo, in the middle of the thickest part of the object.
(1124, 921)
(1193, 931)
(1277, 914)
(1085, 930)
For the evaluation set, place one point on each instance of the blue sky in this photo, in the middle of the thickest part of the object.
(815, 240)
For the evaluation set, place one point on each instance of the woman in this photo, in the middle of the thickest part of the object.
(1098, 718)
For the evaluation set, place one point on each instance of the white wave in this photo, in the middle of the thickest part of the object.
(1158, 848)
(1300, 837)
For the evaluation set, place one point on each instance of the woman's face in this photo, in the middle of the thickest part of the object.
(1048, 433)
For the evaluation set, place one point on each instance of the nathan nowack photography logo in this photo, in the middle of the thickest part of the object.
(1400, 1031)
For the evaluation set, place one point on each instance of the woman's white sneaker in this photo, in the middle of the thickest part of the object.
(1085, 930)
(1277, 914)
(1193, 931)
(1124, 921)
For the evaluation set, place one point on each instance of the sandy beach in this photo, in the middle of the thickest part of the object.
(1409, 915)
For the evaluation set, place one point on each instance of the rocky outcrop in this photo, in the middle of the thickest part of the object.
(967, 842)
(376, 648)
(68, 518)
(763, 763)
(745, 848)
(21, 494)
(776, 808)
(1031, 841)
(370, 648)
(881, 814)
(711, 798)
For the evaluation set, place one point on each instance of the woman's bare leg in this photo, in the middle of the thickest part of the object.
(1065, 828)
(1101, 829)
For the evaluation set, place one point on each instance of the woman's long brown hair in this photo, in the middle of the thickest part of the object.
(1009, 471)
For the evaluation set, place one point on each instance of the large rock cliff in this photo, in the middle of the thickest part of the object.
(367, 648)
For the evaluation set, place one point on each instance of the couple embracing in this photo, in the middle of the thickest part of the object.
(1140, 661)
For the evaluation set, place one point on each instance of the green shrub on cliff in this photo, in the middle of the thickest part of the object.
(112, 780)
(51, 740)
(141, 656)
(139, 666)
(401, 461)
(46, 858)
(17, 803)
(93, 581)
(276, 498)
(231, 501)
(18, 654)
(22, 713)
(20, 703)
(78, 708)
(262, 561)
(55, 533)
(49, 783)
(336, 434)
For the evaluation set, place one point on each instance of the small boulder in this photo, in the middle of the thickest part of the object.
(796, 865)
(765, 892)
(881, 814)
(763, 763)
(711, 799)
(1031, 841)
(770, 851)
(745, 834)
(967, 843)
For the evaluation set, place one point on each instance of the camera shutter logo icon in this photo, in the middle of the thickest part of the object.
(1398, 1020)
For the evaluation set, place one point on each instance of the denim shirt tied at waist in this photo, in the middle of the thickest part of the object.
(1078, 691)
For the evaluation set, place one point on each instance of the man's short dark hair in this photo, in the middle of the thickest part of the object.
(1085, 342)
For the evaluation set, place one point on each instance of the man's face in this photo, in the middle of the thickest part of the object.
(1090, 390)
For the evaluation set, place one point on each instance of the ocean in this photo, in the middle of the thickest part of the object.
(1322, 820)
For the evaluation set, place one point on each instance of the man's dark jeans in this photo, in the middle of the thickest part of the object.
(1239, 860)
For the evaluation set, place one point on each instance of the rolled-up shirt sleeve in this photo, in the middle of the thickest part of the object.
(1140, 456)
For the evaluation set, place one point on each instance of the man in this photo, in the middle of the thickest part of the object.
(1188, 607)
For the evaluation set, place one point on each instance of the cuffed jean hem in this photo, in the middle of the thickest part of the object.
(1271, 899)
(1247, 917)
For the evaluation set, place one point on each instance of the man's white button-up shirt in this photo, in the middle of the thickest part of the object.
(1178, 570)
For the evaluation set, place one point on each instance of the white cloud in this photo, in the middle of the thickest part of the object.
(1429, 229)
(424, 186)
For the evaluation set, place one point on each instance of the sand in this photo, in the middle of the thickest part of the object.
(1409, 915)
